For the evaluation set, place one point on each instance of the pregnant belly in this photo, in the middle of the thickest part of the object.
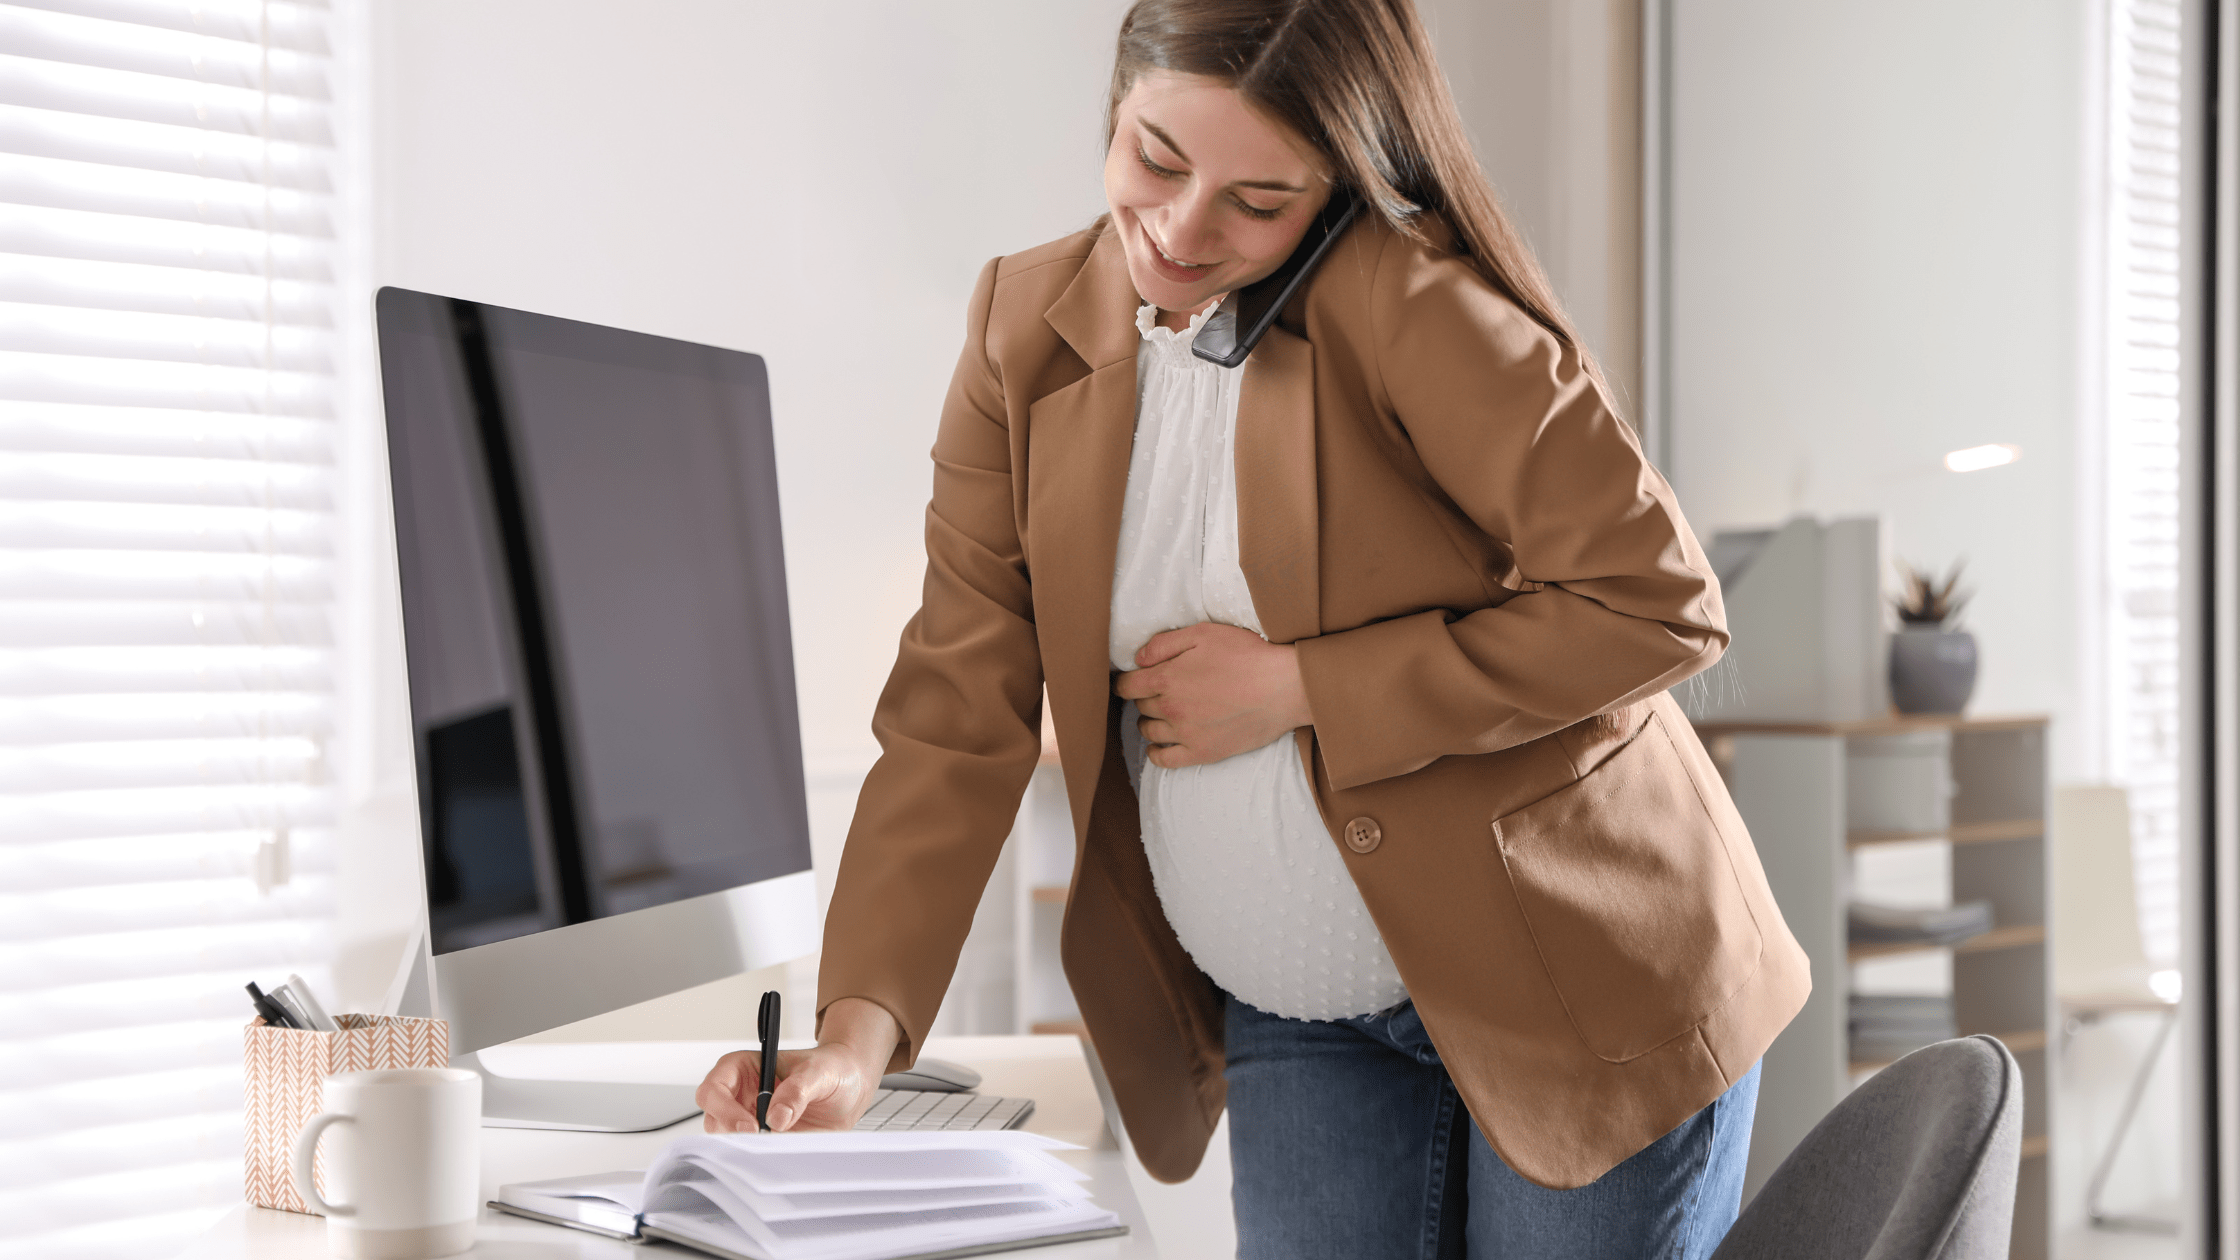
(1256, 890)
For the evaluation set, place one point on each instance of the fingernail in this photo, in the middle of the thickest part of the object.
(781, 1119)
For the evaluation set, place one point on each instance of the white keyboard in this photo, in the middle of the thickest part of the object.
(907, 1111)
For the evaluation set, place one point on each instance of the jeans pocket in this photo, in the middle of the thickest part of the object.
(1630, 891)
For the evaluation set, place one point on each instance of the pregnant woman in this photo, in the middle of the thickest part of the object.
(1391, 842)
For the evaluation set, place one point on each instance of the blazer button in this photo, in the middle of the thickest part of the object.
(1363, 835)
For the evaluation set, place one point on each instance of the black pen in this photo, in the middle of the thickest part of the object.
(274, 1014)
(767, 1024)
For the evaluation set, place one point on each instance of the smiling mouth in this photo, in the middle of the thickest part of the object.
(1170, 259)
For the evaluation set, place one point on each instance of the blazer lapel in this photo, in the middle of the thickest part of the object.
(1080, 439)
(1278, 522)
(1097, 312)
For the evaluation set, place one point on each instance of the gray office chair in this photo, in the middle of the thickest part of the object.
(1919, 1163)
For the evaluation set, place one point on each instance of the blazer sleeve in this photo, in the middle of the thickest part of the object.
(958, 725)
(1615, 598)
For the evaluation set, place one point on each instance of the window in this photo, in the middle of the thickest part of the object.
(2141, 451)
(168, 403)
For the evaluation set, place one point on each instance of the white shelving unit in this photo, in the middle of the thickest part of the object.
(1008, 977)
(1819, 799)
(1043, 840)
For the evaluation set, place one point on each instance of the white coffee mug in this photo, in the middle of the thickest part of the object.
(405, 1167)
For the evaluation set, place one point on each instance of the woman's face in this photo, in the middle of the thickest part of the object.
(1207, 194)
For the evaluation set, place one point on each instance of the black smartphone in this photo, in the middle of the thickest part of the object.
(1255, 306)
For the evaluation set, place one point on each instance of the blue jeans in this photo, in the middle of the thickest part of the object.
(1347, 1140)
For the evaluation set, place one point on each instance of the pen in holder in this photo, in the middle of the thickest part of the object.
(284, 1068)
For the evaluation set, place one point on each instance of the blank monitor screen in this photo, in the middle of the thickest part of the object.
(596, 631)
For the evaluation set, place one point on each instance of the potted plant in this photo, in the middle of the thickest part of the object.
(1932, 662)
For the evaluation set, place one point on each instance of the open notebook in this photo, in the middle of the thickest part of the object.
(834, 1196)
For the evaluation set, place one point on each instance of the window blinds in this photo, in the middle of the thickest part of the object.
(2142, 490)
(167, 394)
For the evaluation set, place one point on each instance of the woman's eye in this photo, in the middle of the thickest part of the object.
(1153, 167)
(1256, 212)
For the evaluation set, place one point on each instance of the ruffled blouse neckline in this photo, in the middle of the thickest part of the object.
(1168, 344)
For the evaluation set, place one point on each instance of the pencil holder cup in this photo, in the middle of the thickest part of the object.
(285, 1068)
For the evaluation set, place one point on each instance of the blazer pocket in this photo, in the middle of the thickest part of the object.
(1632, 899)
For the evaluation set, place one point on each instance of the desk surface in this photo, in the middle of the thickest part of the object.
(1049, 1070)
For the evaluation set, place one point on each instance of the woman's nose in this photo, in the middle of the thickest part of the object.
(1190, 235)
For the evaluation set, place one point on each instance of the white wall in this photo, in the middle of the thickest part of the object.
(1878, 256)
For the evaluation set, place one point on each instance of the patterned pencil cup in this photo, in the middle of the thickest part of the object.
(285, 1068)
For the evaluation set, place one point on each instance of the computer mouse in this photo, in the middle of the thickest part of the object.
(938, 1076)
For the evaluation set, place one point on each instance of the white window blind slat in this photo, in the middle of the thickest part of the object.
(299, 25)
(202, 247)
(160, 147)
(64, 623)
(160, 478)
(224, 51)
(203, 341)
(138, 524)
(32, 180)
(152, 859)
(146, 915)
(218, 577)
(29, 428)
(157, 765)
(2141, 454)
(94, 92)
(168, 388)
(31, 377)
(158, 291)
(179, 715)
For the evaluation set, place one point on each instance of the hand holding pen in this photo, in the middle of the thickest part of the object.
(827, 1087)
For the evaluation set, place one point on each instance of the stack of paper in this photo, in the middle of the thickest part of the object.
(1872, 924)
(1891, 1026)
(835, 1196)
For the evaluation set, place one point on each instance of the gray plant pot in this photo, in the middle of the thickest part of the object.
(1932, 669)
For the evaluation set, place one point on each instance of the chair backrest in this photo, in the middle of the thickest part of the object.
(1919, 1163)
(2098, 950)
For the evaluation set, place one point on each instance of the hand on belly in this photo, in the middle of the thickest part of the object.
(1209, 691)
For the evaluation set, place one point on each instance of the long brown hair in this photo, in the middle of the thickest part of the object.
(1357, 80)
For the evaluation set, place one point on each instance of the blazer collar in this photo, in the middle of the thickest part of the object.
(1096, 313)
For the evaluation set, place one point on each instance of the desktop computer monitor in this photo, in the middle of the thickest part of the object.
(600, 663)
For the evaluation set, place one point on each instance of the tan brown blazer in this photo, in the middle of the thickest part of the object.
(1491, 590)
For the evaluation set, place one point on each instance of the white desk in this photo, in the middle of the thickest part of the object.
(1049, 1070)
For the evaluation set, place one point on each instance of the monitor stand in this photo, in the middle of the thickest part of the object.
(512, 1102)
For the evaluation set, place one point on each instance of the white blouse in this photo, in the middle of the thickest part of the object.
(1245, 869)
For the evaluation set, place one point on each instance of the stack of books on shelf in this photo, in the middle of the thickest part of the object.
(1890, 1026)
(1871, 924)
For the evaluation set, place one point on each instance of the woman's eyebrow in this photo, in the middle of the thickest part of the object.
(1164, 138)
(1271, 185)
